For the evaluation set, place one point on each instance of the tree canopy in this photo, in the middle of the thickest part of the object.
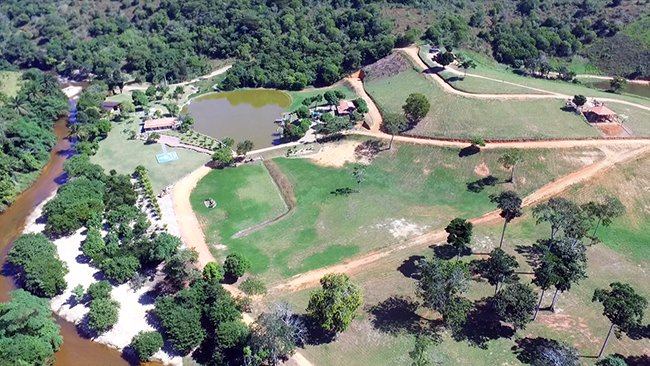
(416, 107)
(515, 304)
(460, 234)
(335, 304)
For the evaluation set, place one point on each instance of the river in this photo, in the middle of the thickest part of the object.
(75, 351)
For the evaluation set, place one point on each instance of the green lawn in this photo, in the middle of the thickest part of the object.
(123, 155)
(10, 82)
(298, 96)
(245, 196)
(482, 86)
(622, 256)
(408, 191)
(638, 120)
(456, 117)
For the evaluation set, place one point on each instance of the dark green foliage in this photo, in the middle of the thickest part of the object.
(180, 268)
(163, 247)
(509, 203)
(25, 130)
(41, 271)
(579, 100)
(611, 361)
(29, 335)
(244, 147)
(445, 58)
(335, 304)
(231, 334)
(303, 111)
(603, 213)
(100, 290)
(617, 83)
(361, 105)
(562, 215)
(180, 316)
(416, 107)
(146, 344)
(75, 203)
(253, 286)
(622, 305)
(477, 141)
(498, 269)
(121, 268)
(236, 265)
(441, 287)
(295, 130)
(94, 244)
(103, 314)
(460, 234)
(515, 305)
(333, 125)
(548, 352)
(119, 191)
(80, 166)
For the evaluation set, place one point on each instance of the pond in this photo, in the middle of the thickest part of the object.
(642, 90)
(241, 115)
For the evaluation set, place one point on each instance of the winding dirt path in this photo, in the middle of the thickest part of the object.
(613, 156)
(413, 53)
(375, 117)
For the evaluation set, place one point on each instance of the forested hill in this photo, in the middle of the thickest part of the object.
(289, 44)
(26, 122)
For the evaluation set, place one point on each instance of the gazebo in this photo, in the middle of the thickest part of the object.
(601, 114)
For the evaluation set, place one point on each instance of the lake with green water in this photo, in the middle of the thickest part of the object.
(241, 115)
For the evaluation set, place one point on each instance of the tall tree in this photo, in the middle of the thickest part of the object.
(393, 124)
(441, 287)
(245, 147)
(276, 334)
(622, 306)
(467, 64)
(510, 205)
(335, 304)
(510, 159)
(572, 265)
(604, 213)
(546, 276)
(561, 214)
(460, 234)
(617, 83)
(498, 269)
(416, 107)
(515, 304)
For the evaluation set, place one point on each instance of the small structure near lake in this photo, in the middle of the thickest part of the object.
(159, 124)
(600, 113)
(111, 106)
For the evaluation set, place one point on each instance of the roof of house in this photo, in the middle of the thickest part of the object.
(345, 106)
(110, 105)
(601, 110)
(159, 122)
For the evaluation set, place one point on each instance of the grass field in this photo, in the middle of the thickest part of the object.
(409, 190)
(299, 96)
(245, 196)
(383, 338)
(458, 117)
(477, 85)
(10, 82)
(123, 155)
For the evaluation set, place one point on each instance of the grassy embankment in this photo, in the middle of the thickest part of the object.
(298, 96)
(457, 117)
(409, 190)
(383, 338)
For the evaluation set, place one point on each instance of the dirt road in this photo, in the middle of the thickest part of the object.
(612, 157)
(373, 112)
(188, 223)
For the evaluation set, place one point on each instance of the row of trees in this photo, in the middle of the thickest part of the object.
(26, 123)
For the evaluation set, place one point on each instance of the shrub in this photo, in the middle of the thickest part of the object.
(120, 269)
(212, 272)
(253, 286)
(103, 314)
(100, 290)
(231, 334)
(94, 244)
(236, 265)
(146, 344)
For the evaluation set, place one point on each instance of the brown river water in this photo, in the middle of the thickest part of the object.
(75, 351)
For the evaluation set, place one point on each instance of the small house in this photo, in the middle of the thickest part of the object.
(110, 107)
(345, 107)
(159, 124)
(600, 113)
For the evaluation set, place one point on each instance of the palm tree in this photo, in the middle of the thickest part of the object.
(19, 103)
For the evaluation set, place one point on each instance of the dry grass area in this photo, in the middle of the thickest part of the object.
(386, 67)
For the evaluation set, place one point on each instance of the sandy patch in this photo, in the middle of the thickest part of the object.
(337, 154)
(72, 91)
(482, 170)
(402, 228)
(610, 129)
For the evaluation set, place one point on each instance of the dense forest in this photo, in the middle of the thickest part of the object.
(26, 123)
(291, 44)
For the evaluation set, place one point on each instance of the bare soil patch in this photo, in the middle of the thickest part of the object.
(368, 150)
(610, 129)
(337, 154)
(482, 170)
(386, 67)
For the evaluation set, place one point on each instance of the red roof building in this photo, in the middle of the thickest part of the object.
(159, 123)
(345, 107)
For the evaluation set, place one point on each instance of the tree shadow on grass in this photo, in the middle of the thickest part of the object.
(482, 326)
(343, 191)
(396, 315)
(533, 253)
(447, 252)
(469, 151)
(528, 350)
(477, 186)
(409, 267)
(316, 334)
(643, 360)
(639, 333)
